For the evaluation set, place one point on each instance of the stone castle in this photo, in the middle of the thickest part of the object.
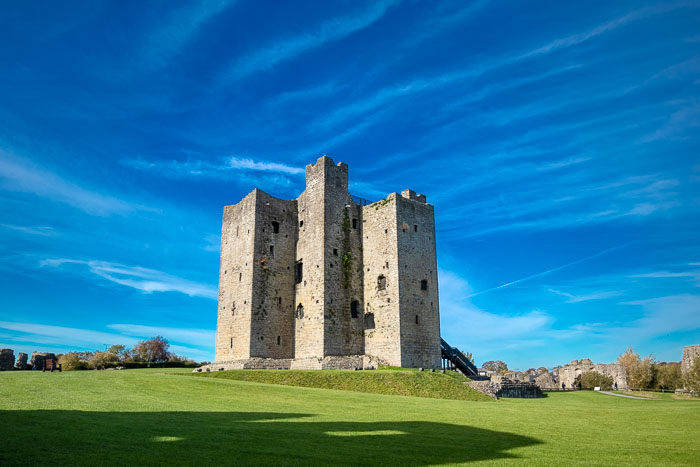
(328, 280)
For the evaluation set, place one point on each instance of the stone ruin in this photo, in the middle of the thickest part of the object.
(37, 361)
(567, 374)
(690, 354)
(8, 362)
(500, 386)
(7, 359)
(21, 363)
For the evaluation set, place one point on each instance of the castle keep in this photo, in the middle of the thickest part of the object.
(323, 281)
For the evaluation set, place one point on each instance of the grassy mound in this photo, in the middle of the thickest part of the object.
(390, 381)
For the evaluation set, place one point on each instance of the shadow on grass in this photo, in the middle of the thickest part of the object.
(124, 438)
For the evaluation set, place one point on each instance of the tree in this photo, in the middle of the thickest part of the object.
(593, 379)
(102, 360)
(468, 356)
(154, 350)
(496, 366)
(71, 361)
(669, 376)
(629, 361)
(117, 350)
(643, 375)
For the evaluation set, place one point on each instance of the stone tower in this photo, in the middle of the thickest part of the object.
(325, 282)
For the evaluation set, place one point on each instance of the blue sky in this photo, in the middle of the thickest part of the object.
(557, 141)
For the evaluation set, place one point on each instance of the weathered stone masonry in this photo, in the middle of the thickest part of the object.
(324, 282)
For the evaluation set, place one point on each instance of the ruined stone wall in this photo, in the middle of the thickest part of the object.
(7, 359)
(380, 259)
(272, 314)
(567, 374)
(690, 354)
(418, 282)
(236, 280)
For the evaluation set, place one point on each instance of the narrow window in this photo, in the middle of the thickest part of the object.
(236, 231)
(415, 228)
(335, 252)
(354, 313)
(279, 300)
(381, 283)
(301, 223)
(369, 321)
(231, 343)
(275, 227)
(416, 319)
(298, 272)
(300, 311)
(240, 276)
(424, 284)
(278, 340)
(272, 250)
(354, 223)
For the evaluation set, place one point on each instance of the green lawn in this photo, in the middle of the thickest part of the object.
(138, 417)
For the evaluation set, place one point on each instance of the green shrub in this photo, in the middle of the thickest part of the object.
(71, 361)
(592, 379)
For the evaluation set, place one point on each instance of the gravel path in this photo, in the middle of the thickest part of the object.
(626, 396)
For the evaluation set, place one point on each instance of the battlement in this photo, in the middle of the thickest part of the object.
(327, 173)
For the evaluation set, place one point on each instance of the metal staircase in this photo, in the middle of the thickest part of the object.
(458, 360)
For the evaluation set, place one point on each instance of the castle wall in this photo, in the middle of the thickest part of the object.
(236, 280)
(299, 284)
(690, 354)
(310, 252)
(343, 333)
(380, 258)
(272, 323)
(418, 283)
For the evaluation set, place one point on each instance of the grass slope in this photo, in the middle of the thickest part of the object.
(394, 382)
(146, 417)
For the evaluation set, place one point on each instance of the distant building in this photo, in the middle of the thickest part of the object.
(328, 280)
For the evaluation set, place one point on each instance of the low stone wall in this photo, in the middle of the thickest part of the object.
(507, 389)
(349, 362)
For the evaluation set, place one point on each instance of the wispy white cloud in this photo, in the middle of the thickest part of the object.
(143, 279)
(197, 337)
(41, 231)
(179, 26)
(589, 296)
(677, 126)
(224, 167)
(21, 175)
(578, 38)
(212, 243)
(249, 164)
(547, 272)
(454, 302)
(291, 47)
